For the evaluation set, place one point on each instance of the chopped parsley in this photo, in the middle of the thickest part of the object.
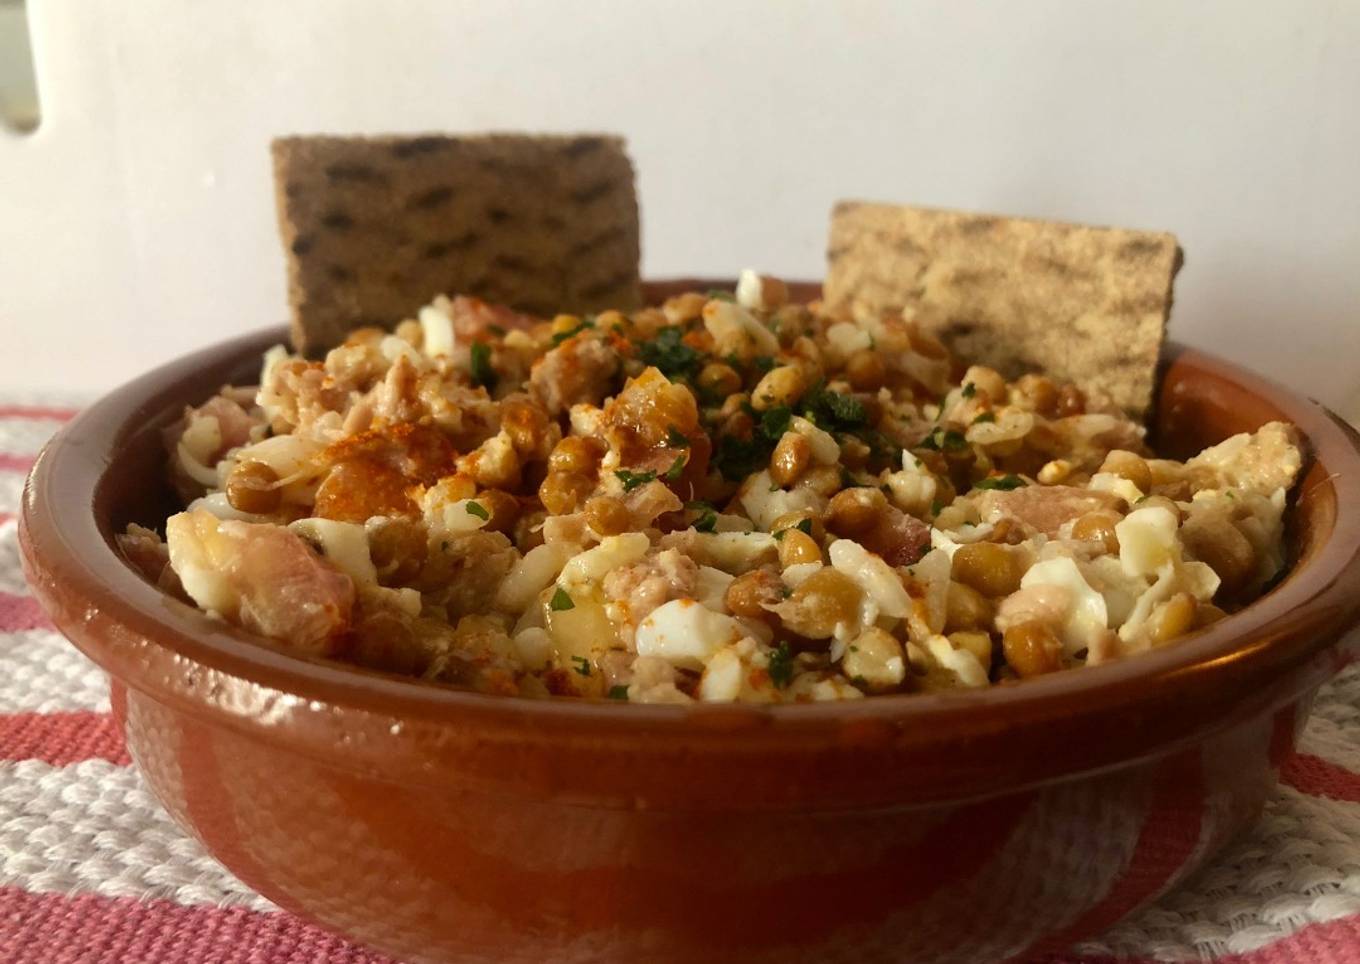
(669, 353)
(721, 295)
(860, 681)
(674, 472)
(631, 480)
(775, 422)
(708, 516)
(676, 440)
(618, 692)
(781, 666)
(763, 363)
(969, 390)
(944, 440)
(1002, 482)
(582, 666)
(833, 411)
(482, 372)
(935, 507)
(736, 458)
(985, 417)
(561, 601)
(477, 509)
(562, 336)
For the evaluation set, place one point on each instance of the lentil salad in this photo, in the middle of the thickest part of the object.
(724, 497)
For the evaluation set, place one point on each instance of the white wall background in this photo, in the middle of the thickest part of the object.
(137, 221)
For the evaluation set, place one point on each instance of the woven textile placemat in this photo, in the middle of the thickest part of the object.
(92, 870)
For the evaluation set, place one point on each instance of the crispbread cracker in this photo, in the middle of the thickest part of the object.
(1083, 304)
(374, 227)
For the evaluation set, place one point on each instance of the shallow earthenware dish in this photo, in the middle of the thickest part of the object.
(438, 825)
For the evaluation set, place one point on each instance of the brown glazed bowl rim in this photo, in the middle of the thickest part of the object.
(956, 745)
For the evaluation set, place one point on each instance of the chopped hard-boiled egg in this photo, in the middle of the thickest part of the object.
(1147, 540)
(884, 594)
(1085, 616)
(685, 633)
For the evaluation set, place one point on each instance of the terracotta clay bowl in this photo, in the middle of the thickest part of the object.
(438, 825)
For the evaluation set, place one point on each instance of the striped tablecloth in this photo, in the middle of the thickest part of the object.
(92, 870)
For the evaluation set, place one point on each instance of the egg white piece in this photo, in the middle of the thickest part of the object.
(685, 633)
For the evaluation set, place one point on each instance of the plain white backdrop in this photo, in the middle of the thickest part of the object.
(137, 221)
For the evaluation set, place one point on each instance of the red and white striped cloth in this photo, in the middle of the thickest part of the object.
(92, 870)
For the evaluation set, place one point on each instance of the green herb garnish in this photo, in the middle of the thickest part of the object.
(562, 336)
(708, 515)
(736, 458)
(720, 294)
(1002, 482)
(676, 440)
(781, 666)
(631, 480)
(582, 666)
(763, 363)
(774, 422)
(969, 390)
(833, 411)
(985, 417)
(669, 353)
(561, 601)
(476, 508)
(618, 692)
(674, 472)
(482, 372)
(944, 440)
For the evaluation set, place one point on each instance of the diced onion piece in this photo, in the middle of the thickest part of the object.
(1117, 485)
(613, 552)
(530, 576)
(437, 330)
(345, 544)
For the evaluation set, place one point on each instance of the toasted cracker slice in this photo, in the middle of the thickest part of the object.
(1082, 304)
(375, 227)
